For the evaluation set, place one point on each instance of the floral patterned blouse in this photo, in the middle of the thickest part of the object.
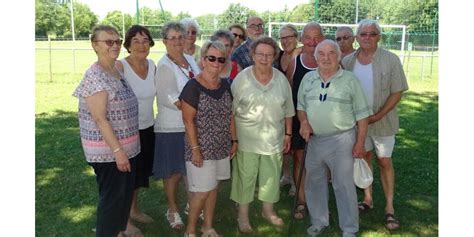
(213, 116)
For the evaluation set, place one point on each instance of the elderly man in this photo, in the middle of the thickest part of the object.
(383, 81)
(345, 40)
(242, 54)
(311, 36)
(330, 105)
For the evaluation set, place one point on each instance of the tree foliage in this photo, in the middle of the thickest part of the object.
(118, 20)
(235, 13)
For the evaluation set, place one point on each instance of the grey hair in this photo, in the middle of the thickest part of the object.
(187, 22)
(368, 22)
(346, 29)
(223, 34)
(311, 25)
(291, 28)
(330, 42)
(172, 25)
(215, 44)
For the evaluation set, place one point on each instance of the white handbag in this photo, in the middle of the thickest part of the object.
(362, 174)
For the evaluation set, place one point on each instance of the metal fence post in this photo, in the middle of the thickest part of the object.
(422, 67)
(50, 66)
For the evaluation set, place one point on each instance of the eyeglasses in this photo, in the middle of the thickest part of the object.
(286, 37)
(238, 36)
(370, 34)
(322, 97)
(255, 27)
(263, 55)
(346, 37)
(192, 32)
(212, 59)
(111, 43)
(175, 38)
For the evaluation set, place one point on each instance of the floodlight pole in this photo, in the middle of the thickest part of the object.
(357, 12)
(138, 14)
(316, 15)
(73, 38)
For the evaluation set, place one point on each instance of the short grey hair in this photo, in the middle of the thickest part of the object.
(223, 34)
(172, 25)
(311, 25)
(346, 29)
(368, 22)
(187, 22)
(330, 42)
(215, 44)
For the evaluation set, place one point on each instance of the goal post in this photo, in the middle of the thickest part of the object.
(389, 33)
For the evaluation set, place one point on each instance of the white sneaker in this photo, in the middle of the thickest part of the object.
(285, 180)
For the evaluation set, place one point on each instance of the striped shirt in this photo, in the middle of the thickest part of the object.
(242, 55)
(122, 114)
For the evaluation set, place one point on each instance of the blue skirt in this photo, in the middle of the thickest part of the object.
(169, 155)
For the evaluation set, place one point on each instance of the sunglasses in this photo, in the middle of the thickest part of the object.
(322, 97)
(343, 38)
(111, 43)
(192, 32)
(214, 58)
(370, 34)
(238, 36)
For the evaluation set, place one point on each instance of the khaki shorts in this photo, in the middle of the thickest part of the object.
(383, 145)
(204, 179)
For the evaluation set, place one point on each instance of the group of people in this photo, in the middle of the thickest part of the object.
(238, 107)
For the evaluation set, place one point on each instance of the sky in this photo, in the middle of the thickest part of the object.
(193, 7)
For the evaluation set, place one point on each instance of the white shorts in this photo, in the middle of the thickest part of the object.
(383, 145)
(204, 179)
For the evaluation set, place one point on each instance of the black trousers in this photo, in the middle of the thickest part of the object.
(115, 197)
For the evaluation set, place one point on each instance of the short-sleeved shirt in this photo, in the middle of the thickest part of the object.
(122, 114)
(388, 78)
(333, 106)
(145, 91)
(260, 111)
(212, 121)
(242, 56)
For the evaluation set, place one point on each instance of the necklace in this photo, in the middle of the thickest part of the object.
(190, 75)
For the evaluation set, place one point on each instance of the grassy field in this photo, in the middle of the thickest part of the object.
(66, 190)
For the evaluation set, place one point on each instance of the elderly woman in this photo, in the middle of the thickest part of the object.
(288, 41)
(239, 35)
(263, 110)
(330, 105)
(173, 71)
(192, 31)
(210, 135)
(108, 121)
(230, 69)
(139, 73)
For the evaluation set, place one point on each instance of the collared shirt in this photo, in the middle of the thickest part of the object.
(388, 78)
(242, 56)
(260, 111)
(335, 107)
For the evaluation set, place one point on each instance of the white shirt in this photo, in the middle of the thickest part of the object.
(170, 80)
(144, 91)
(366, 77)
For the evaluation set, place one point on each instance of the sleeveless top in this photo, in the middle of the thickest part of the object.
(212, 121)
(300, 71)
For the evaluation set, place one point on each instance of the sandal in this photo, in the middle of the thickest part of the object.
(364, 207)
(273, 219)
(210, 233)
(174, 219)
(186, 211)
(391, 223)
(142, 218)
(300, 211)
(244, 226)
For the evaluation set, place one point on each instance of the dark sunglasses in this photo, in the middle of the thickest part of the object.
(213, 59)
(110, 43)
(238, 36)
(343, 38)
(321, 96)
(192, 32)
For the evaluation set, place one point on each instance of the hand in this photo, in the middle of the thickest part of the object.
(121, 158)
(233, 150)
(178, 104)
(358, 151)
(196, 158)
(305, 130)
(286, 144)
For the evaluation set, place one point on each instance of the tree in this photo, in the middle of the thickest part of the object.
(51, 18)
(236, 13)
(182, 15)
(84, 20)
(207, 23)
(302, 13)
(115, 19)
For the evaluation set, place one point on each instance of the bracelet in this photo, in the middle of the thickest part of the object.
(287, 134)
(234, 141)
(117, 150)
(195, 147)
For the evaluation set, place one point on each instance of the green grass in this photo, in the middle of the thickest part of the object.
(66, 190)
